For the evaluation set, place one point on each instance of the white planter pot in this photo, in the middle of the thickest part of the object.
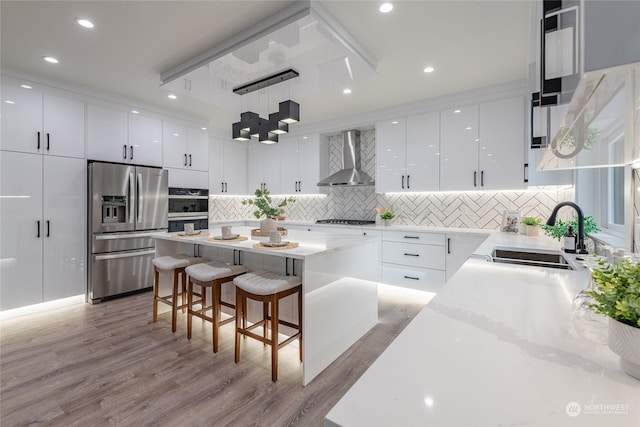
(267, 225)
(624, 340)
(531, 230)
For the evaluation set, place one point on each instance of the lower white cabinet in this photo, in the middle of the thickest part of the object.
(459, 247)
(413, 259)
(42, 217)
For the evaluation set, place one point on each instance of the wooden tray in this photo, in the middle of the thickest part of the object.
(291, 245)
(259, 233)
(190, 236)
(237, 239)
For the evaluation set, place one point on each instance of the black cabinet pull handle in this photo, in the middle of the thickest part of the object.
(411, 237)
(412, 278)
(38, 229)
(131, 149)
(408, 186)
(48, 228)
(526, 172)
(48, 141)
(475, 175)
(482, 179)
(185, 159)
(448, 245)
(403, 182)
(406, 254)
(226, 190)
(124, 152)
(222, 187)
(38, 147)
(189, 159)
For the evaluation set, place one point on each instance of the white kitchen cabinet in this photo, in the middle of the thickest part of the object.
(407, 154)
(300, 164)
(227, 167)
(145, 140)
(263, 167)
(184, 147)
(107, 134)
(459, 247)
(482, 146)
(36, 122)
(413, 259)
(186, 178)
(43, 228)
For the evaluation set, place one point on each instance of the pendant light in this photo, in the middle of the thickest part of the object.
(289, 112)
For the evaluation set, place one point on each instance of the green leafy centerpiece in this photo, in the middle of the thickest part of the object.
(265, 207)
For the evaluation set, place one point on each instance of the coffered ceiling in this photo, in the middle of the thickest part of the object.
(470, 44)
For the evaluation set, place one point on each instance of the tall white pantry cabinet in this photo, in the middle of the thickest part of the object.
(43, 192)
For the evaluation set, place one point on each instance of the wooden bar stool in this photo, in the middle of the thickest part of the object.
(177, 265)
(210, 275)
(268, 288)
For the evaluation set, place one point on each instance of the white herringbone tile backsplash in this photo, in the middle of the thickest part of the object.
(460, 210)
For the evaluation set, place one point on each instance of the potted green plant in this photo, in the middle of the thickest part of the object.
(616, 293)
(531, 225)
(265, 207)
(561, 227)
(386, 217)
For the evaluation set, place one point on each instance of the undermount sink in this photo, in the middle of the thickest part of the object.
(534, 259)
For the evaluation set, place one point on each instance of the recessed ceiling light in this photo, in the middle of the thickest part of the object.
(50, 59)
(456, 111)
(8, 101)
(172, 96)
(386, 7)
(135, 112)
(176, 134)
(468, 128)
(346, 91)
(203, 128)
(429, 69)
(304, 137)
(84, 22)
(395, 122)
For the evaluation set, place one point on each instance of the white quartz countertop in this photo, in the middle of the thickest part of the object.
(495, 347)
(309, 243)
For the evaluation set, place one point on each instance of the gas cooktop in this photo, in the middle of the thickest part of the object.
(345, 221)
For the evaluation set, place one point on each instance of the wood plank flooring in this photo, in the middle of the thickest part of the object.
(109, 364)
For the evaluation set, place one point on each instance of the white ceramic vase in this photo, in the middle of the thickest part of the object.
(268, 225)
(624, 340)
(531, 230)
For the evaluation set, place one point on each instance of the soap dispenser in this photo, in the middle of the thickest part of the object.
(570, 241)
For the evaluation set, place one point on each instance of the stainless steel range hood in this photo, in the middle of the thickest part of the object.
(351, 173)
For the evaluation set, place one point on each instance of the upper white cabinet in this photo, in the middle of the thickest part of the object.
(36, 122)
(227, 167)
(482, 146)
(407, 154)
(107, 134)
(43, 228)
(264, 168)
(185, 147)
(459, 149)
(300, 164)
(145, 140)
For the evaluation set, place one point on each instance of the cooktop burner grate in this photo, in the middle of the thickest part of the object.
(345, 221)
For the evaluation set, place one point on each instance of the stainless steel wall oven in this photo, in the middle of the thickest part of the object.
(188, 205)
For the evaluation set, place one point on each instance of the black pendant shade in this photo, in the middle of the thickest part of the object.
(238, 133)
(276, 125)
(289, 111)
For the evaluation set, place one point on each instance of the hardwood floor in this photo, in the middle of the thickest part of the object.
(109, 364)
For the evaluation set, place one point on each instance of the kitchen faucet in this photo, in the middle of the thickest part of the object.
(552, 221)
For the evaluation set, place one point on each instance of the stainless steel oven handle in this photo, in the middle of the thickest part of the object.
(123, 236)
(125, 255)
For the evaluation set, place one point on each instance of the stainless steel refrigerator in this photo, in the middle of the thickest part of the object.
(126, 205)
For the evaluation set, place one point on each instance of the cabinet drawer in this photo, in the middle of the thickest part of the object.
(414, 237)
(425, 256)
(422, 279)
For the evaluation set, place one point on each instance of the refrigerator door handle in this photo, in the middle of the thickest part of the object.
(128, 235)
(130, 199)
(140, 198)
(125, 255)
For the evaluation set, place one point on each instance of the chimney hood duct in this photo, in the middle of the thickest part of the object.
(351, 173)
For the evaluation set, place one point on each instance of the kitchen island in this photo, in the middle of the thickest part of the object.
(496, 346)
(339, 281)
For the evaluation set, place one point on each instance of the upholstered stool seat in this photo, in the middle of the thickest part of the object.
(268, 288)
(210, 275)
(177, 265)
